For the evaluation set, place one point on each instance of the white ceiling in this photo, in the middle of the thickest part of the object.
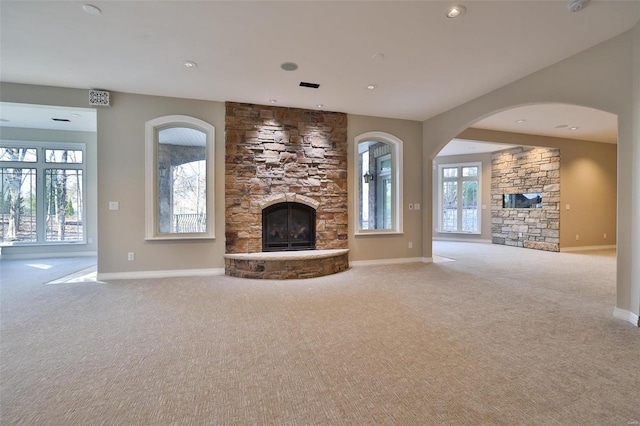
(42, 117)
(558, 120)
(430, 63)
(467, 147)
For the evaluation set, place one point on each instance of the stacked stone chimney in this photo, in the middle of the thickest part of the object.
(284, 153)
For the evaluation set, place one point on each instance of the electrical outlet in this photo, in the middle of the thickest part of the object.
(131, 256)
(410, 206)
(90, 240)
(114, 205)
(410, 244)
(605, 236)
(577, 237)
(416, 206)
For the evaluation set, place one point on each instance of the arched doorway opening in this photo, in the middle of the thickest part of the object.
(585, 178)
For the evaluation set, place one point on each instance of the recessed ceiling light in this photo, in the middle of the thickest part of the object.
(455, 11)
(273, 101)
(371, 86)
(91, 9)
(189, 64)
(75, 115)
(574, 128)
(522, 120)
(289, 66)
(577, 5)
(377, 56)
(320, 105)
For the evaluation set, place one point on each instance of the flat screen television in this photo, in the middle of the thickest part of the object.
(532, 200)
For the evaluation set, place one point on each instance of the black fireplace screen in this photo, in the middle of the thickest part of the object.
(288, 226)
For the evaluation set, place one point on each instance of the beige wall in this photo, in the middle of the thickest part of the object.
(485, 195)
(602, 77)
(121, 177)
(371, 247)
(18, 93)
(587, 183)
(635, 192)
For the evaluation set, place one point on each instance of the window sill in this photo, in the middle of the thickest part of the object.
(177, 237)
(458, 232)
(41, 244)
(377, 233)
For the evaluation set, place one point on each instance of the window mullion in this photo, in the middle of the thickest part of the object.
(41, 214)
(460, 196)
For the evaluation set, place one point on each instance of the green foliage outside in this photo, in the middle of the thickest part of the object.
(69, 209)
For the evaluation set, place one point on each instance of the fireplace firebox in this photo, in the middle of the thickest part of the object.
(288, 226)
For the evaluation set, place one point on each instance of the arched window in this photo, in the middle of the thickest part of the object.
(378, 183)
(179, 178)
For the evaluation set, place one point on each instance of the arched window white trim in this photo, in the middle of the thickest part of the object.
(153, 172)
(393, 221)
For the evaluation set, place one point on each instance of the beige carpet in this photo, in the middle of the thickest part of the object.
(494, 335)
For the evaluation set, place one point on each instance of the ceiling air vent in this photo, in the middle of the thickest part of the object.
(99, 98)
(311, 85)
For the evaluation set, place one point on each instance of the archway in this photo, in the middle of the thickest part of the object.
(533, 138)
(460, 122)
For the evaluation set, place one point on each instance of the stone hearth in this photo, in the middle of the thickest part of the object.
(286, 265)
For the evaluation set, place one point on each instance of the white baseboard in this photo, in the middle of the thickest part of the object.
(585, 248)
(461, 240)
(388, 261)
(19, 256)
(140, 275)
(625, 315)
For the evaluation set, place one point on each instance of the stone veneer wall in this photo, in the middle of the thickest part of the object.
(525, 170)
(274, 152)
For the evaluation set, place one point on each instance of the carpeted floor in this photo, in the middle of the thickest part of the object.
(487, 335)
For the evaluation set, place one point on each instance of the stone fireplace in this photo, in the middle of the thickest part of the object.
(519, 171)
(278, 159)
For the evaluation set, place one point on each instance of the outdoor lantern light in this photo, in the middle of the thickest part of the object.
(368, 177)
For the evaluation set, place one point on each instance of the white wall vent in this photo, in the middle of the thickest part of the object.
(99, 98)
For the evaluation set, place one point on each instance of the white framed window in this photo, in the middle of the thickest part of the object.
(42, 193)
(378, 183)
(459, 197)
(179, 181)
